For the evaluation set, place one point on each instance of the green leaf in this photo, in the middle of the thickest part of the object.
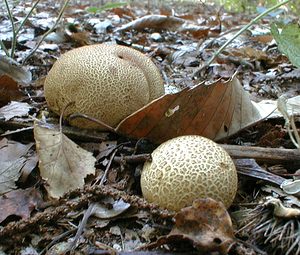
(105, 7)
(287, 38)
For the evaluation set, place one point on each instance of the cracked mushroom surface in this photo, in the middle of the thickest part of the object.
(186, 168)
(106, 82)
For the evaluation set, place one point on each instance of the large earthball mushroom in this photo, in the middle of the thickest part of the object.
(106, 82)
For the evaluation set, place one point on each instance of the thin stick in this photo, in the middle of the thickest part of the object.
(13, 42)
(101, 123)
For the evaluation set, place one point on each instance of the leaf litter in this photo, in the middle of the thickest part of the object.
(223, 103)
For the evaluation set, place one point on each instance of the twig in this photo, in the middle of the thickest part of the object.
(139, 158)
(14, 39)
(101, 123)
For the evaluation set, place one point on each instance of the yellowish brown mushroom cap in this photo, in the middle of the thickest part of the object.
(186, 168)
(107, 82)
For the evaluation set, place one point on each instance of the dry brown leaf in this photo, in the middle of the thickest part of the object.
(215, 111)
(11, 68)
(262, 38)
(206, 224)
(20, 203)
(121, 12)
(9, 90)
(11, 75)
(12, 158)
(63, 164)
(153, 21)
(109, 208)
(196, 31)
(248, 53)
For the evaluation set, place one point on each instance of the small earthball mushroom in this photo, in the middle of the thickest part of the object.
(186, 168)
(106, 82)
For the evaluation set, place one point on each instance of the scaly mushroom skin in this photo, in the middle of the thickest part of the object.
(107, 82)
(188, 167)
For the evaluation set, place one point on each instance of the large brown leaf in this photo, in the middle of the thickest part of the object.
(214, 111)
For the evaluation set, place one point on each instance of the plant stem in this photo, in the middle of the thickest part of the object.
(14, 30)
(252, 22)
(48, 32)
(2, 46)
(14, 38)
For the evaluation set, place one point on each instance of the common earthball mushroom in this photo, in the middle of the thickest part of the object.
(186, 168)
(106, 82)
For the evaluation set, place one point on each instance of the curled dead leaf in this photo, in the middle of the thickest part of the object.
(206, 225)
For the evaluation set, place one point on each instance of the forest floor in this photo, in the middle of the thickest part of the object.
(232, 101)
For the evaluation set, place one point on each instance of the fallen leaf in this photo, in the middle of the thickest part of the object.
(206, 224)
(14, 109)
(265, 106)
(14, 70)
(9, 90)
(215, 111)
(113, 209)
(28, 167)
(10, 173)
(123, 12)
(153, 21)
(11, 75)
(20, 203)
(249, 53)
(196, 31)
(63, 164)
(12, 158)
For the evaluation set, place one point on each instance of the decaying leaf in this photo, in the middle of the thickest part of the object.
(206, 225)
(215, 111)
(63, 164)
(112, 209)
(12, 158)
(153, 21)
(9, 90)
(11, 75)
(20, 203)
(14, 109)
(11, 68)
